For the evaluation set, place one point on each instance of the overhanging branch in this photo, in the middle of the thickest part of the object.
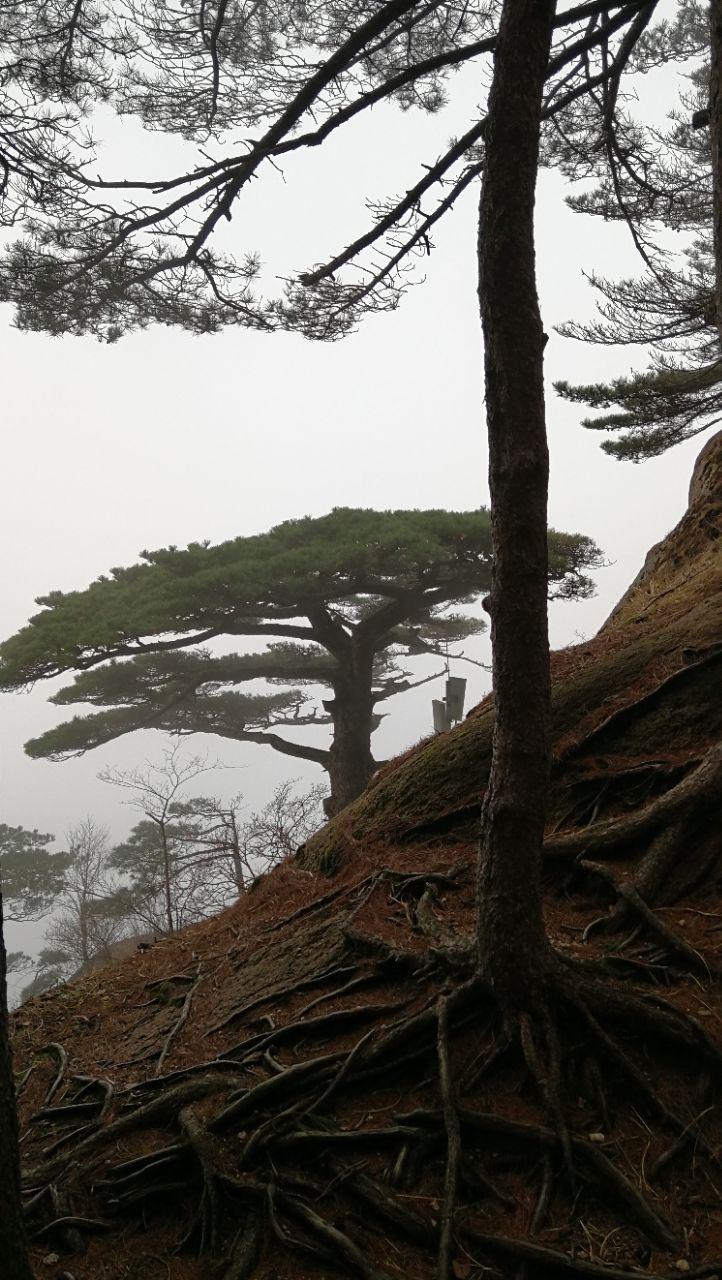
(462, 146)
(391, 687)
(286, 748)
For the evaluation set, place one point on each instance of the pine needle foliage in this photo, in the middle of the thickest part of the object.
(340, 601)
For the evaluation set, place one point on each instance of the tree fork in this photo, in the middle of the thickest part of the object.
(350, 761)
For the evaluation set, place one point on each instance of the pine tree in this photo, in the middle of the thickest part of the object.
(123, 252)
(103, 274)
(655, 182)
(513, 945)
(348, 597)
(30, 874)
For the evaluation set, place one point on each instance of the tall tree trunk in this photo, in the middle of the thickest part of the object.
(13, 1252)
(715, 134)
(513, 947)
(234, 847)
(83, 930)
(351, 763)
(167, 887)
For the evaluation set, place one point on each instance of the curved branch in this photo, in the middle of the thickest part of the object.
(131, 649)
(297, 108)
(474, 135)
(433, 175)
(287, 748)
(329, 633)
(226, 179)
(392, 687)
(314, 138)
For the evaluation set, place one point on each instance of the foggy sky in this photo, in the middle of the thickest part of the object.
(169, 438)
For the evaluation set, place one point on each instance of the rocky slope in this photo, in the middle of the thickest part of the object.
(310, 1085)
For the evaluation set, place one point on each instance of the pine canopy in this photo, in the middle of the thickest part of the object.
(336, 601)
(355, 561)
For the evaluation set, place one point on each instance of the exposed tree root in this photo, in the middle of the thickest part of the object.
(180, 1020)
(630, 896)
(278, 993)
(516, 1140)
(453, 1143)
(301, 1107)
(698, 791)
(631, 709)
(319, 1028)
(553, 1262)
(246, 1248)
(205, 1225)
(149, 1115)
(336, 1244)
(61, 1055)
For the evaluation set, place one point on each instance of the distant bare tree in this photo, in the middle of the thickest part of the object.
(287, 821)
(208, 832)
(88, 921)
(209, 853)
(236, 851)
(155, 791)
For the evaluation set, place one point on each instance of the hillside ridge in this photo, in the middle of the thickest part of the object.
(282, 1091)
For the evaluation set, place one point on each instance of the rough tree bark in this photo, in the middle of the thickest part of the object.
(715, 129)
(350, 763)
(167, 887)
(513, 947)
(13, 1252)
